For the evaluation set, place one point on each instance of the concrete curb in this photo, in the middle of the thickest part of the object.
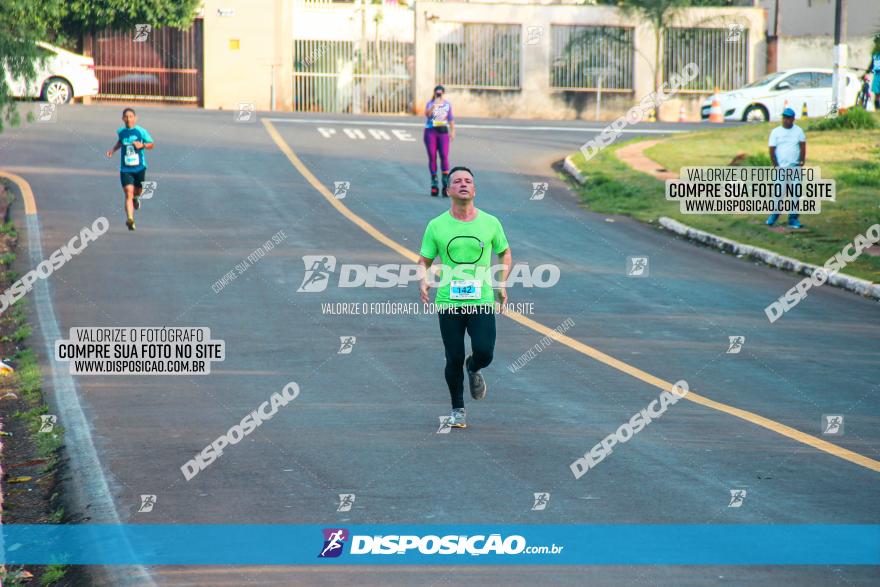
(862, 287)
(571, 169)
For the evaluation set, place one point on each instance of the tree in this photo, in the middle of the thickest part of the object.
(23, 22)
(661, 14)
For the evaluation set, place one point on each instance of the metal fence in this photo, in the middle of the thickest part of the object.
(592, 58)
(480, 56)
(162, 65)
(721, 54)
(352, 76)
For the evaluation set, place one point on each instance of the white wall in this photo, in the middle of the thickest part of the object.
(537, 99)
(818, 52)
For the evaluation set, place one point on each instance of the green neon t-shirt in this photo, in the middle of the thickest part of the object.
(465, 248)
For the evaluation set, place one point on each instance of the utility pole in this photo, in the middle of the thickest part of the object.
(838, 80)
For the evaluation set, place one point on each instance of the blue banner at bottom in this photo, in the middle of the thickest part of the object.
(173, 544)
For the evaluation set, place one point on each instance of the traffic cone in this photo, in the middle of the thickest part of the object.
(652, 115)
(870, 105)
(682, 117)
(804, 111)
(784, 105)
(715, 114)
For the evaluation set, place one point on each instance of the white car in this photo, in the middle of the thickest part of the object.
(766, 98)
(61, 77)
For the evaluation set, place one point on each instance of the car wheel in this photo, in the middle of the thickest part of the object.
(57, 91)
(756, 113)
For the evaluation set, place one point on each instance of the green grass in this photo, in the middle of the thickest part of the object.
(854, 118)
(850, 157)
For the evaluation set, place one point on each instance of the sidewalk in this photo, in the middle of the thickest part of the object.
(634, 156)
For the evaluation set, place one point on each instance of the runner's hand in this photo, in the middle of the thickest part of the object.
(502, 298)
(423, 291)
(109, 153)
(138, 145)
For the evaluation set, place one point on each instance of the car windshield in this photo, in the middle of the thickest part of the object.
(768, 79)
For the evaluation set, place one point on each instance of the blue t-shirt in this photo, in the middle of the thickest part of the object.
(132, 159)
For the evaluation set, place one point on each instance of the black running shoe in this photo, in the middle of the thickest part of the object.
(475, 381)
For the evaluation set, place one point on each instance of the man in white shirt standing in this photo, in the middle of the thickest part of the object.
(788, 149)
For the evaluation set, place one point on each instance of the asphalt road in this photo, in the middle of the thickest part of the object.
(366, 422)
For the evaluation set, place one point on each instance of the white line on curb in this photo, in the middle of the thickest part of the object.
(468, 125)
(88, 479)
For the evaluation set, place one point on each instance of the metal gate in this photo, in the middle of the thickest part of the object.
(156, 65)
(352, 77)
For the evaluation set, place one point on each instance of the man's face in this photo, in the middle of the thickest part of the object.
(130, 119)
(787, 121)
(461, 186)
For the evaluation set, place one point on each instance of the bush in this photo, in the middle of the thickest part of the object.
(853, 119)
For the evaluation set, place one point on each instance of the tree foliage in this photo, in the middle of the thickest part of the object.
(64, 22)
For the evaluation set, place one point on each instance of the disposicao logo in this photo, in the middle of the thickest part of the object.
(334, 540)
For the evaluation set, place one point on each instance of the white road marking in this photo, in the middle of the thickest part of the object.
(354, 133)
(89, 481)
(486, 126)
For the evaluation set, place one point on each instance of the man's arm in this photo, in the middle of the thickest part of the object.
(115, 148)
(803, 158)
(506, 259)
(424, 265)
(773, 157)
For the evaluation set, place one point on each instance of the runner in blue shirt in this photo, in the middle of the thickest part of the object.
(133, 141)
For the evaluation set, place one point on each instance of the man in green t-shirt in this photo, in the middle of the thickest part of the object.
(464, 238)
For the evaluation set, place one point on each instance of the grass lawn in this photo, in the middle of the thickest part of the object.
(851, 157)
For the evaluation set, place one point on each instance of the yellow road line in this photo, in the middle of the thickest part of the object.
(30, 205)
(787, 431)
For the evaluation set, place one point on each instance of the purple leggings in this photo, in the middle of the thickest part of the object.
(435, 141)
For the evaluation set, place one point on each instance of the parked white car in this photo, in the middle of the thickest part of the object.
(766, 98)
(60, 78)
